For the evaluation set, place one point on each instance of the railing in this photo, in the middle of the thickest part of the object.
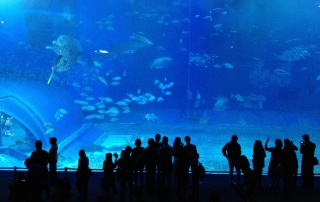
(66, 169)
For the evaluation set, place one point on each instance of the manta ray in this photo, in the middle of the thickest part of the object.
(69, 52)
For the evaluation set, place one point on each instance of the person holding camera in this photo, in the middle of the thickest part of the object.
(307, 149)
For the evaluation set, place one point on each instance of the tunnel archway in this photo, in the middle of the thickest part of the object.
(45, 111)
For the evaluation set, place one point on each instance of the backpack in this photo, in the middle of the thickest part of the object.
(201, 171)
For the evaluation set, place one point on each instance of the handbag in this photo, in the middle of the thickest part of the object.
(315, 161)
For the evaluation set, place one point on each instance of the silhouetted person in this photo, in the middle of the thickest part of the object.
(289, 165)
(108, 180)
(250, 178)
(158, 144)
(180, 166)
(125, 164)
(195, 179)
(307, 149)
(151, 155)
(165, 161)
(232, 151)
(274, 171)
(138, 160)
(35, 181)
(53, 155)
(259, 154)
(191, 151)
(8, 124)
(82, 175)
(41, 157)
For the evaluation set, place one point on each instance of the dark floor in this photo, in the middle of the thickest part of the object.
(213, 182)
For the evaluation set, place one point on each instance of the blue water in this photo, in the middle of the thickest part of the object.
(198, 66)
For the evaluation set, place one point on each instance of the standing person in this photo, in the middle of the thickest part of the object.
(307, 149)
(53, 155)
(125, 165)
(35, 181)
(82, 175)
(151, 154)
(108, 172)
(259, 154)
(8, 124)
(158, 144)
(138, 160)
(191, 151)
(232, 150)
(274, 171)
(41, 157)
(289, 165)
(165, 161)
(180, 166)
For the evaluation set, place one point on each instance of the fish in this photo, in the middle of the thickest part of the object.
(160, 99)
(62, 111)
(69, 52)
(81, 102)
(115, 83)
(281, 72)
(89, 98)
(117, 78)
(167, 93)
(49, 131)
(88, 108)
(107, 99)
(121, 103)
(102, 80)
(238, 97)
(161, 62)
(97, 64)
(101, 51)
(48, 125)
(151, 117)
(228, 65)
(136, 41)
(221, 104)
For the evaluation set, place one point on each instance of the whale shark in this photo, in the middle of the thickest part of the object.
(69, 52)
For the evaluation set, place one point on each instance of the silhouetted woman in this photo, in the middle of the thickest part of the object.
(259, 155)
(108, 171)
(138, 160)
(274, 171)
(82, 175)
(289, 166)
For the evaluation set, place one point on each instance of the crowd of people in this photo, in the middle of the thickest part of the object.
(283, 164)
(153, 166)
(159, 164)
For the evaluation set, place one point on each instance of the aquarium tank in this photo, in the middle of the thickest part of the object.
(99, 74)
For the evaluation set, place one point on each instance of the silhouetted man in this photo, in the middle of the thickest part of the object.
(307, 149)
(53, 154)
(42, 158)
(232, 150)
